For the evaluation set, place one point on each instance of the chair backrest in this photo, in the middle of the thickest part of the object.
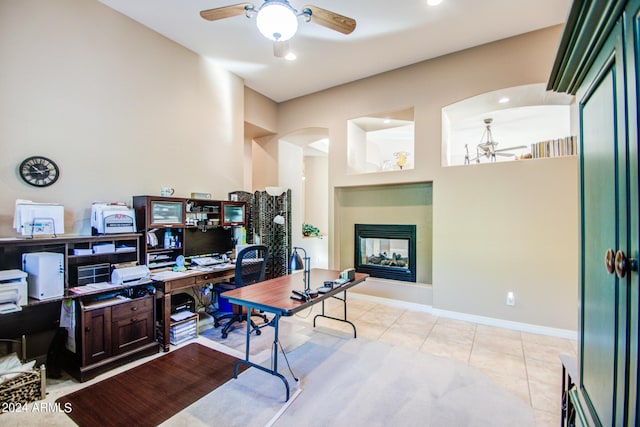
(251, 263)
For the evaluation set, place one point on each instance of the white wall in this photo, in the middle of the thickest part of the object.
(121, 109)
(316, 184)
(290, 163)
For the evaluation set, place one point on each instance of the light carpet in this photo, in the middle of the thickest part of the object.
(354, 382)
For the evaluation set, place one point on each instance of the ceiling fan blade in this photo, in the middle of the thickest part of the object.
(281, 49)
(329, 19)
(226, 11)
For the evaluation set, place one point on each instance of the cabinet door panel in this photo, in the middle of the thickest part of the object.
(603, 200)
(133, 332)
(633, 65)
(96, 341)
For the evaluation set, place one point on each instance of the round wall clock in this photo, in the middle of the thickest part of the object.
(39, 171)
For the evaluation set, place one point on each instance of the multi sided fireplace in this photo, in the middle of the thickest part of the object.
(386, 251)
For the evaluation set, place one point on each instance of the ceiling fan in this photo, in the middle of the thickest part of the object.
(277, 20)
(487, 149)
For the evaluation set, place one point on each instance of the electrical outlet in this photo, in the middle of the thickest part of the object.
(511, 298)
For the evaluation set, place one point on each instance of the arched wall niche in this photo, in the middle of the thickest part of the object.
(520, 116)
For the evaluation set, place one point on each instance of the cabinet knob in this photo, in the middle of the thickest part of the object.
(134, 320)
(609, 263)
(624, 264)
(87, 329)
(134, 308)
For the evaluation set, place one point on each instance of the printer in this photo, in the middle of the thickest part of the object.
(136, 275)
(13, 290)
(112, 218)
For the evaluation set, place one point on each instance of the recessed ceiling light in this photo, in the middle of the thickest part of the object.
(387, 121)
(503, 100)
(434, 2)
(290, 56)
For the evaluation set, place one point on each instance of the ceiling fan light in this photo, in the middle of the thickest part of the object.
(277, 20)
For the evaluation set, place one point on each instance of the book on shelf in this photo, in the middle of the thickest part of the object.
(567, 146)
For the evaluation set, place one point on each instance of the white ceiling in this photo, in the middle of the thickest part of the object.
(389, 35)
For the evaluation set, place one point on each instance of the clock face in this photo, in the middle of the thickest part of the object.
(39, 171)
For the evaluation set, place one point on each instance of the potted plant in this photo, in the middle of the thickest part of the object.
(309, 230)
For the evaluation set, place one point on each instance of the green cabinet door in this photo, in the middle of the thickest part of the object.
(603, 210)
(632, 40)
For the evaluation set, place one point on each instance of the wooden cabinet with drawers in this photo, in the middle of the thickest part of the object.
(132, 324)
(113, 331)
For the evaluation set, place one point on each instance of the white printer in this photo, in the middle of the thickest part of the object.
(13, 290)
(46, 274)
(112, 218)
(138, 274)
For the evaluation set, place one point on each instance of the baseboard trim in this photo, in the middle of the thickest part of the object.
(392, 302)
(482, 320)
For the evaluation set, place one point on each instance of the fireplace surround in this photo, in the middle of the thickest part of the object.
(386, 251)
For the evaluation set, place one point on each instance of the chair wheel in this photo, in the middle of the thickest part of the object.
(258, 331)
(224, 335)
(216, 324)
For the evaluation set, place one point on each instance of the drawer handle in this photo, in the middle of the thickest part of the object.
(134, 308)
(609, 263)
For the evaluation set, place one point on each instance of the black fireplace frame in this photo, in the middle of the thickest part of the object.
(386, 231)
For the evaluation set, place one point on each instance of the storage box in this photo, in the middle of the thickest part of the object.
(83, 251)
(104, 248)
(183, 330)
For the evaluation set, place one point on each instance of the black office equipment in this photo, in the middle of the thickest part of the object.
(182, 302)
(251, 263)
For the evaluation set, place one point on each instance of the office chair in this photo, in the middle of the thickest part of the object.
(251, 263)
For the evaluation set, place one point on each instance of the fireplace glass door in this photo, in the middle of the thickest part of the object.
(392, 253)
(386, 251)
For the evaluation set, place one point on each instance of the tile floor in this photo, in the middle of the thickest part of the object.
(526, 364)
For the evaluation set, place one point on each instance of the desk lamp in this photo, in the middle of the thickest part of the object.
(296, 263)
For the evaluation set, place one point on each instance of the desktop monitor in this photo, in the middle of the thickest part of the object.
(216, 240)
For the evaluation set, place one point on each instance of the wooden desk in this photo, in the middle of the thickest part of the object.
(274, 296)
(170, 281)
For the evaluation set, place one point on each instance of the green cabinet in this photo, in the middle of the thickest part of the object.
(598, 61)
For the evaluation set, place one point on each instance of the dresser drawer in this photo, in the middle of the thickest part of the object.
(185, 282)
(132, 308)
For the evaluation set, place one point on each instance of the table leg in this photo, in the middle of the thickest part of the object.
(344, 303)
(274, 367)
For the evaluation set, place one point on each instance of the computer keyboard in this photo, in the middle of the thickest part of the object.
(205, 260)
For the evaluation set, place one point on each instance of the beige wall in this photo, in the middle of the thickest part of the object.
(121, 109)
(487, 232)
(388, 204)
(508, 226)
(260, 121)
(260, 112)
(265, 162)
